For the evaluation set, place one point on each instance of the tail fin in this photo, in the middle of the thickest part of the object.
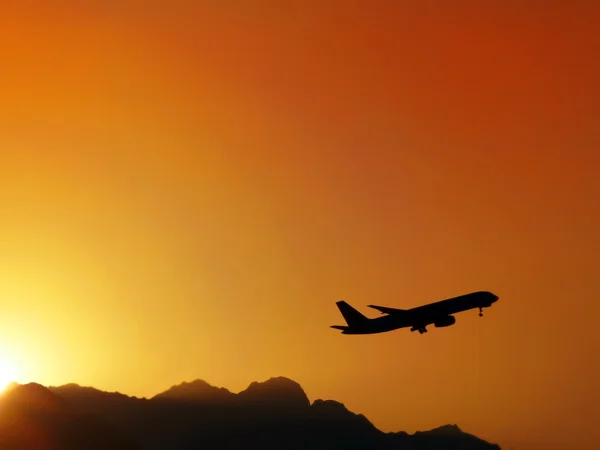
(352, 316)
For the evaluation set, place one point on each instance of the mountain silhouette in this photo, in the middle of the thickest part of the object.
(274, 414)
(198, 391)
(34, 418)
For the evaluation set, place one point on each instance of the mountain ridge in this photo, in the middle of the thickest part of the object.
(275, 413)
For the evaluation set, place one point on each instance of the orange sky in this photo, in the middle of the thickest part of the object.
(187, 190)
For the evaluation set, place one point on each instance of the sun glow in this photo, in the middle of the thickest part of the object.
(8, 374)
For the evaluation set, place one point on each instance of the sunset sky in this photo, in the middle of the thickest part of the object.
(186, 191)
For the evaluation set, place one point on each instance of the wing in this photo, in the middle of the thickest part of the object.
(386, 310)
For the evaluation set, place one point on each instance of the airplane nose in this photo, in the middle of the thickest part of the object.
(494, 298)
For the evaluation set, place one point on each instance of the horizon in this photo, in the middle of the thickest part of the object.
(276, 408)
(12, 385)
(189, 188)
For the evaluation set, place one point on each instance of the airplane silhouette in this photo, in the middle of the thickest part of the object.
(439, 314)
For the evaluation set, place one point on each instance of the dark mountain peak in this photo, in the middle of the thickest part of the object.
(452, 437)
(72, 386)
(277, 390)
(197, 390)
(330, 405)
(448, 429)
(33, 397)
(277, 383)
(76, 389)
(73, 390)
(29, 388)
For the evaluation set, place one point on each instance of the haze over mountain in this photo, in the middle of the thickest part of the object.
(272, 414)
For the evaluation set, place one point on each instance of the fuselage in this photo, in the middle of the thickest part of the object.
(421, 316)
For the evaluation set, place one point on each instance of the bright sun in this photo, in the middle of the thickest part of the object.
(8, 374)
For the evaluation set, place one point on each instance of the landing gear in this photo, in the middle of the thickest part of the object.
(421, 330)
(480, 311)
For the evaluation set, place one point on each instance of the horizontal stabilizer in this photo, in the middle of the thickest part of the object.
(387, 310)
(339, 327)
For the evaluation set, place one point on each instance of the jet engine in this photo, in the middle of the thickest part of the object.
(445, 321)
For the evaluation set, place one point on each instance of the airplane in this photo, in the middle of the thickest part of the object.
(439, 314)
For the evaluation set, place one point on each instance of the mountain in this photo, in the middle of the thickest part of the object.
(34, 418)
(198, 391)
(274, 414)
